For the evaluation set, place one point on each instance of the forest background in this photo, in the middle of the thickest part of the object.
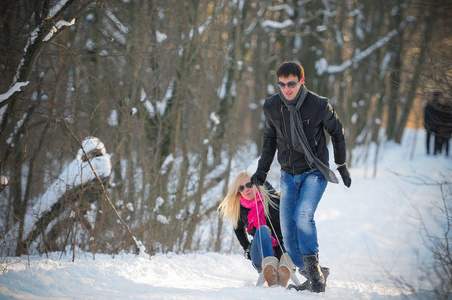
(174, 90)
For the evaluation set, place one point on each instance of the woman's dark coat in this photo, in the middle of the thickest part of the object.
(242, 223)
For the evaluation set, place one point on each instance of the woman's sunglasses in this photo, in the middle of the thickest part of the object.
(247, 185)
(290, 84)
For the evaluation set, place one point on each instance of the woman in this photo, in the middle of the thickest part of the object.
(254, 211)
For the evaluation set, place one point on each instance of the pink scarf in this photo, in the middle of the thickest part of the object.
(256, 216)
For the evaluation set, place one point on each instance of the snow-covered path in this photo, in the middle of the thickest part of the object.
(169, 276)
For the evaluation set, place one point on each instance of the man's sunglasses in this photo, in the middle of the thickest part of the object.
(290, 84)
(247, 185)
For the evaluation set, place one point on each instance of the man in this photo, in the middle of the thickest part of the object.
(441, 123)
(295, 120)
(430, 123)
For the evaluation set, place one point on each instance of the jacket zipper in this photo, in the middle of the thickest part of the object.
(288, 140)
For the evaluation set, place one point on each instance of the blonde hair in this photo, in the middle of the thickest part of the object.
(229, 208)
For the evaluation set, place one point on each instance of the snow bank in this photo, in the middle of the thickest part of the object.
(78, 172)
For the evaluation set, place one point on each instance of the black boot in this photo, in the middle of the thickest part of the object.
(314, 272)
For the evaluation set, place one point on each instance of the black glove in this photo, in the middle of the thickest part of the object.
(247, 252)
(345, 174)
(258, 178)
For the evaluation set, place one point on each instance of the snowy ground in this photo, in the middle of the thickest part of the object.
(368, 234)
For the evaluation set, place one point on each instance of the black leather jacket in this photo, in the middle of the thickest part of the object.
(317, 114)
(242, 225)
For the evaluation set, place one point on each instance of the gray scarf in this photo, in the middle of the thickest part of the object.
(299, 140)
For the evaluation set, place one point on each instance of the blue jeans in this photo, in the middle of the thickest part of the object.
(300, 195)
(260, 250)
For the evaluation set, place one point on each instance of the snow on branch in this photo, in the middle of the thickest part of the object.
(57, 27)
(204, 26)
(276, 25)
(255, 21)
(93, 147)
(15, 88)
(124, 30)
(323, 67)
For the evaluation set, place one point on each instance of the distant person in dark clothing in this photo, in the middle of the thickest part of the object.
(429, 112)
(444, 129)
(438, 120)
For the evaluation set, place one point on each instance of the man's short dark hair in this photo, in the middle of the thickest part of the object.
(290, 68)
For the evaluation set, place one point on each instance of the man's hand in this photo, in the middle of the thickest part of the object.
(345, 174)
(258, 178)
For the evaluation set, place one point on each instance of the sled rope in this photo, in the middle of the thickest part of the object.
(258, 221)
(273, 228)
(271, 225)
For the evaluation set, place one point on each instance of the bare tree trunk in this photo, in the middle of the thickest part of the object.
(396, 49)
(427, 35)
(24, 205)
